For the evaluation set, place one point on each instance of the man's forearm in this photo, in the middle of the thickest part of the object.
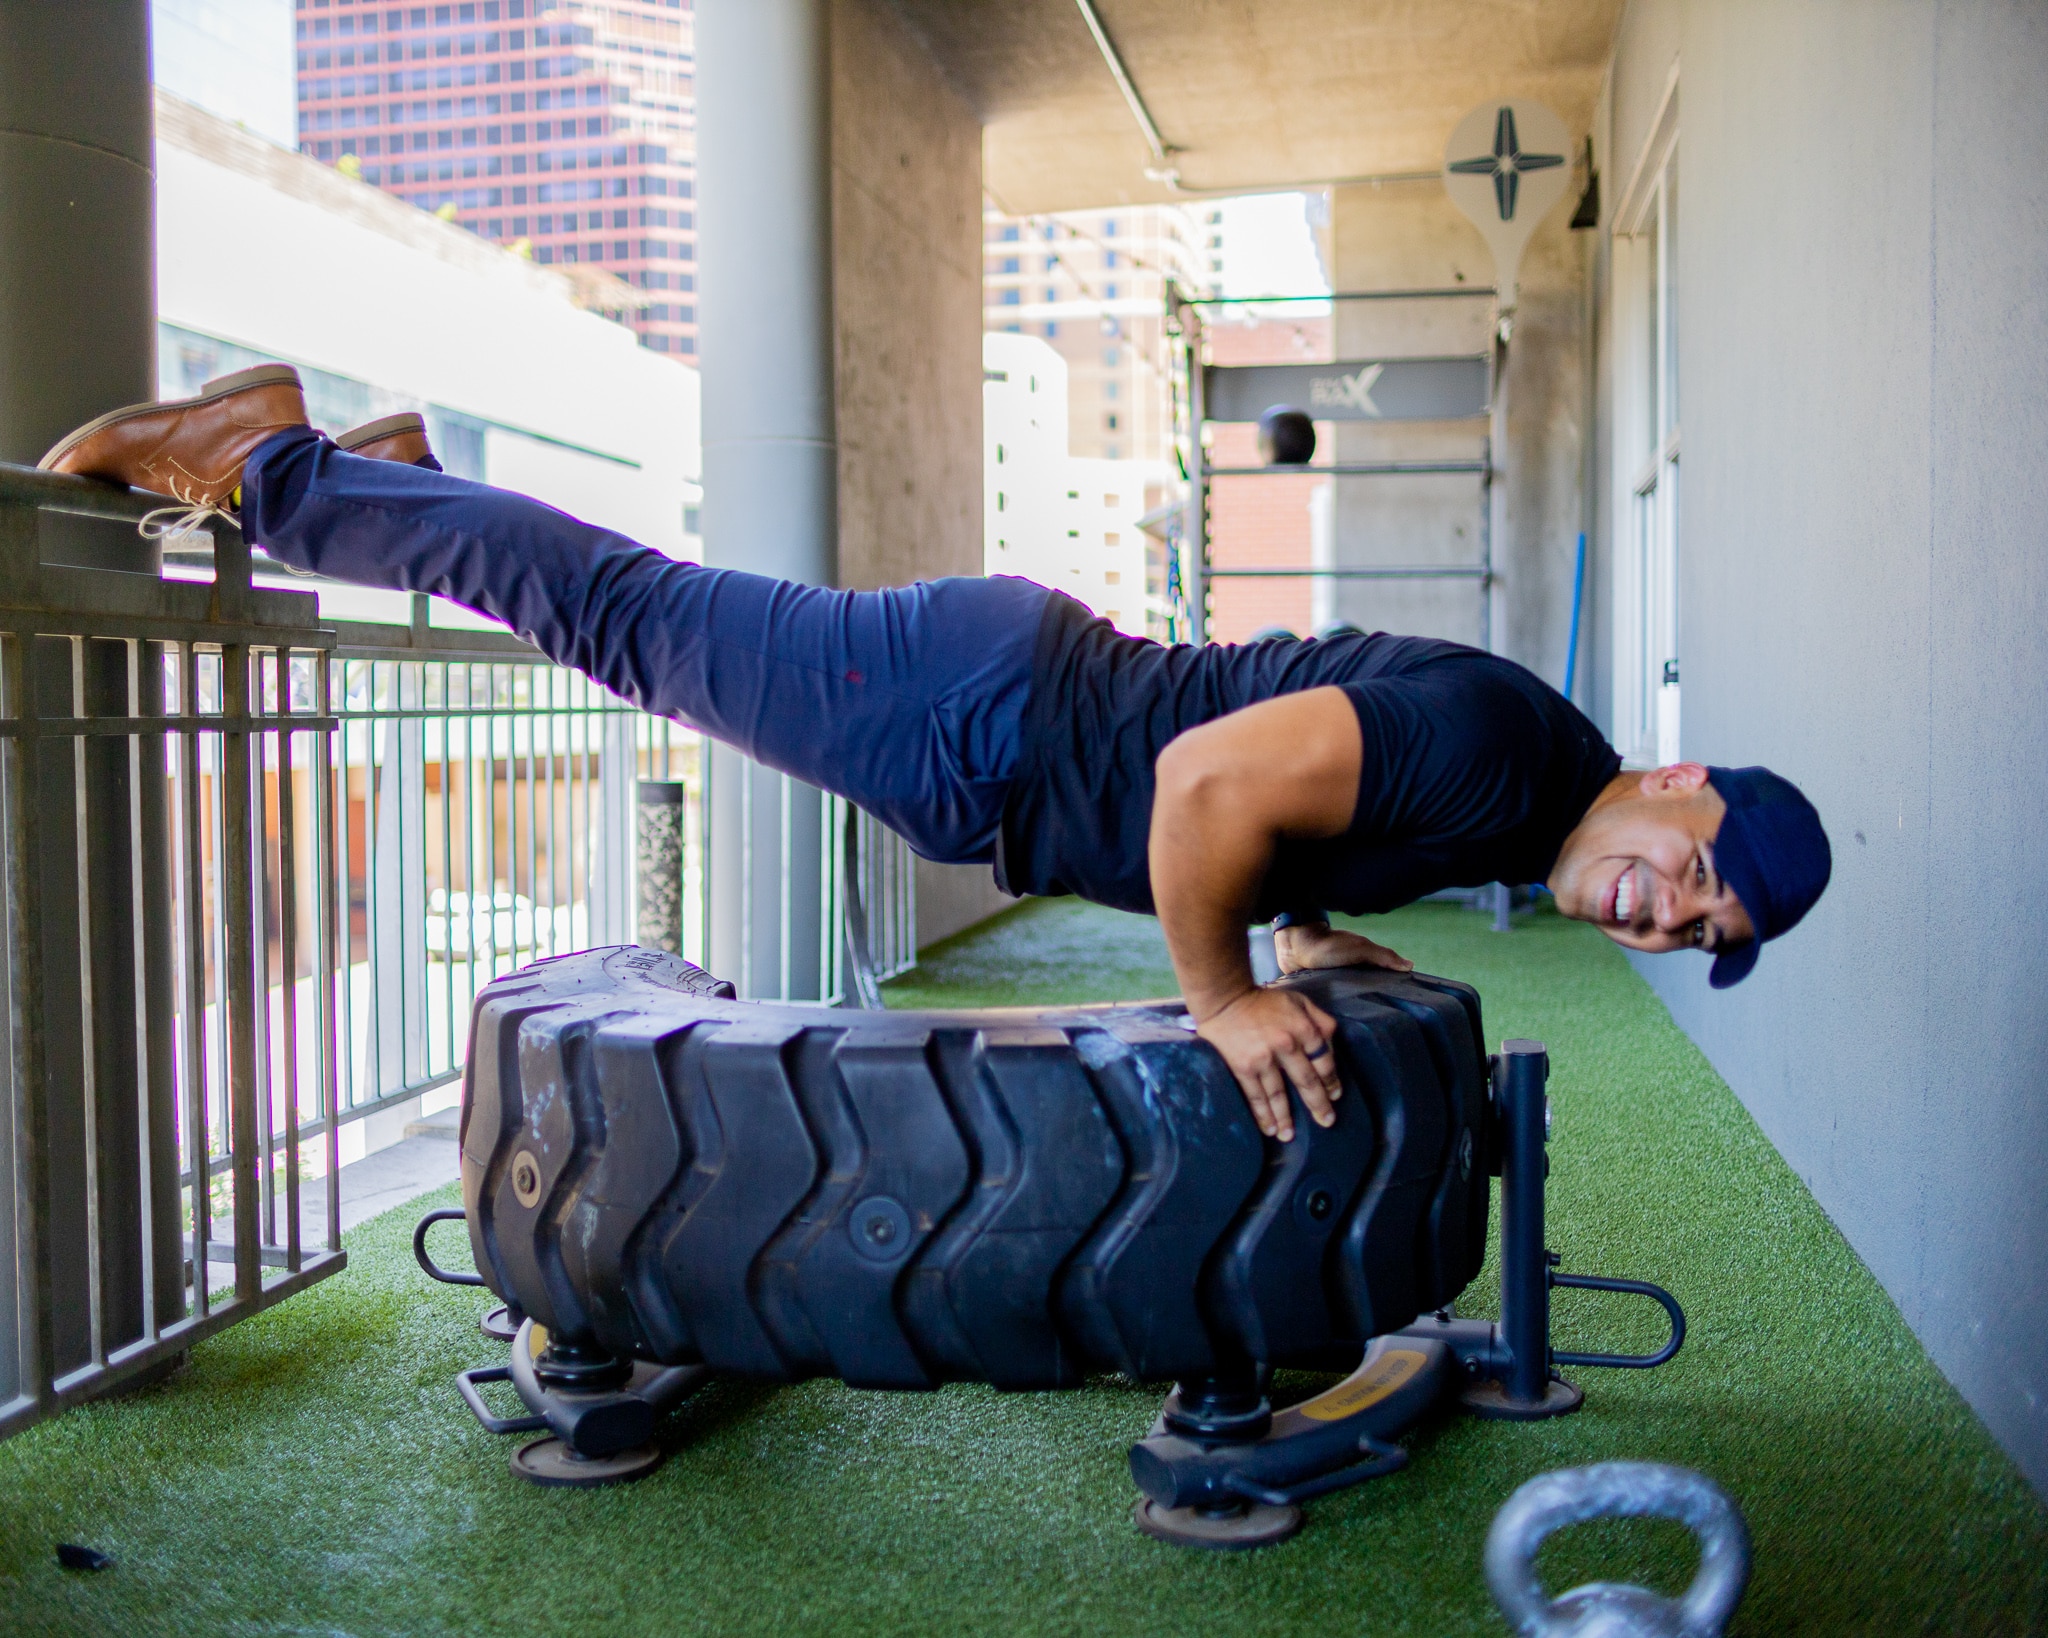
(1205, 873)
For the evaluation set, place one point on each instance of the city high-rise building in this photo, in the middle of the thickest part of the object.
(1092, 285)
(564, 129)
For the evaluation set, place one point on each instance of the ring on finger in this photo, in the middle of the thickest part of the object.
(1322, 1051)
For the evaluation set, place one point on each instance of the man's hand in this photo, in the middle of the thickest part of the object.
(1272, 1037)
(1306, 946)
(1227, 794)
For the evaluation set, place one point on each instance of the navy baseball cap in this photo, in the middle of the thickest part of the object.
(1774, 856)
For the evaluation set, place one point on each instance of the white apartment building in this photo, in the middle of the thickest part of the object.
(1092, 285)
(384, 307)
(1067, 521)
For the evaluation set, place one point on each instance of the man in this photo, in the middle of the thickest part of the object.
(994, 721)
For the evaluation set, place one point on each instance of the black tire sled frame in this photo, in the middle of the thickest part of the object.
(663, 1183)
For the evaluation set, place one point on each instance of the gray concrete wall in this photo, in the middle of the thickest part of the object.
(906, 232)
(953, 898)
(1410, 236)
(906, 227)
(1864, 593)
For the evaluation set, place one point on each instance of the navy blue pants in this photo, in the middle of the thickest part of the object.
(909, 702)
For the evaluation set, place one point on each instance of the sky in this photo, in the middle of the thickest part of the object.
(1269, 249)
(234, 58)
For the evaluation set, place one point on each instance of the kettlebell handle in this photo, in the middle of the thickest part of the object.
(1631, 1490)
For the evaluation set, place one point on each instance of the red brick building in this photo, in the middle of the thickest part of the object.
(1261, 522)
(562, 128)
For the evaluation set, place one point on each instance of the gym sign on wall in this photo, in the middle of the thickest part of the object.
(1391, 389)
(1505, 167)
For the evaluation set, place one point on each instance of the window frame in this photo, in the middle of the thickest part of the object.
(1646, 452)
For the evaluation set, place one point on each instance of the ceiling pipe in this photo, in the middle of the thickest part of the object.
(1161, 169)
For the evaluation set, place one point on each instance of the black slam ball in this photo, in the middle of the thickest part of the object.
(1287, 437)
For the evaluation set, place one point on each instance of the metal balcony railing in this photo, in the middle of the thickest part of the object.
(257, 864)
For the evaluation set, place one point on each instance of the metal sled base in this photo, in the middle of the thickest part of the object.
(1220, 1469)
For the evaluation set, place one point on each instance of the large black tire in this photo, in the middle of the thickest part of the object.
(1006, 1196)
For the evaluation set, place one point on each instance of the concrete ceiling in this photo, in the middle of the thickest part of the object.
(1254, 93)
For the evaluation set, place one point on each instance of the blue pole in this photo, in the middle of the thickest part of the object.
(1571, 654)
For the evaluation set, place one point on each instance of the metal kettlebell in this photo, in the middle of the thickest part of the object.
(1605, 1609)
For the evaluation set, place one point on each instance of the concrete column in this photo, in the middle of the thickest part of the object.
(770, 438)
(77, 239)
(78, 337)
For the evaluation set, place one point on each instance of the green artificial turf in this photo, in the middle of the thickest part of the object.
(312, 1472)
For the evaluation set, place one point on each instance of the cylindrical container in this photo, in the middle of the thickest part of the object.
(658, 864)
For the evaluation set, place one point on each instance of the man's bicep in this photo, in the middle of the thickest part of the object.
(1291, 762)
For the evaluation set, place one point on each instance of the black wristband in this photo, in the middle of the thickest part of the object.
(1301, 918)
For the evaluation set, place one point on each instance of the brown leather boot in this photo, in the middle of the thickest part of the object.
(191, 448)
(401, 437)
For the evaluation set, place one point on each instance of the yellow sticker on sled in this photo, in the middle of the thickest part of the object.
(1366, 1386)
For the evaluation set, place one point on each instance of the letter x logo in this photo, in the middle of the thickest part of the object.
(1506, 163)
(1352, 392)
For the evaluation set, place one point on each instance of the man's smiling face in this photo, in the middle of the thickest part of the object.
(1640, 865)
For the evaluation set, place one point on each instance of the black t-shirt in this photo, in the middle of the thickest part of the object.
(1473, 770)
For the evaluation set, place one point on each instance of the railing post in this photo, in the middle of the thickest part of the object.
(29, 1321)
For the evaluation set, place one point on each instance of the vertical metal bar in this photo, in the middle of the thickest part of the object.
(266, 1073)
(1195, 530)
(1524, 1272)
(745, 975)
(471, 818)
(237, 913)
(578, 690)
(448, 868)
(332, 742)
(533, 722)
(1486, 500)
(705, 763)
(490, 900)
(373, 859)
(556, 936)
(88, 1060)
(345, 1042)
(784, 902)
(402, 672)
(288, 970)
(138, 658)
(192, 921)
(22, 843)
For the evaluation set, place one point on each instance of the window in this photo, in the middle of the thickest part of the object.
(1646, 517)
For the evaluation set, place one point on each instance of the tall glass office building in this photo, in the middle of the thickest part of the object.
(563, 128)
